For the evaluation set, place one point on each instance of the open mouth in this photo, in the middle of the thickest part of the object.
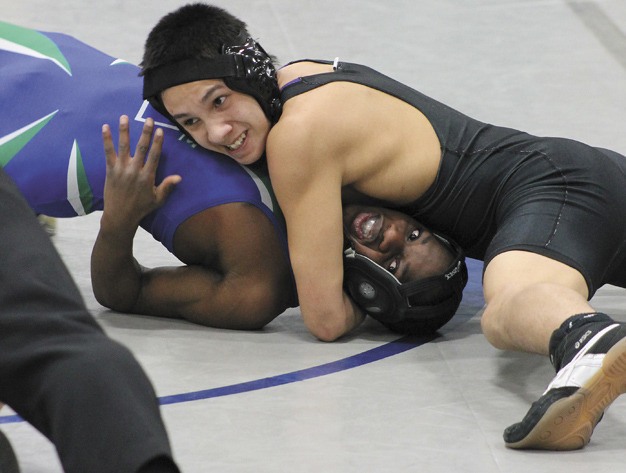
(238, 142)
(367, 226)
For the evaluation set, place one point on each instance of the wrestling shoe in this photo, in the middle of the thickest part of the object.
(564, 417)
(49, 224)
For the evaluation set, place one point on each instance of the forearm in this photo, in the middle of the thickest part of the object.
(115, 274)
(130, 194)
(193, 292)
(329, 325)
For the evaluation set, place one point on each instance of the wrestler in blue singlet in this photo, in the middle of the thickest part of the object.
(501, 189)
(57, 92)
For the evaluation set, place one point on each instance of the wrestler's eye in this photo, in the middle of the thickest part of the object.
(219, 101)
(189, 122)
(393, 266)
(415, 234)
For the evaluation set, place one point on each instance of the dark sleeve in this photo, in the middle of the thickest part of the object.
(58, 370)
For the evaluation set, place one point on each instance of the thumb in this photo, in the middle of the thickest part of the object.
(166, 187)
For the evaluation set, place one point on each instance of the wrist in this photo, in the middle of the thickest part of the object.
(117, 228)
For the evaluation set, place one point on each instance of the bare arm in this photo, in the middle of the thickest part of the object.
(235, 274)
(129, 195)
(242, 279)
(307, 181)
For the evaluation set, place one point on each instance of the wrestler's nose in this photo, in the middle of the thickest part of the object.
(218, 131)
(392, 239)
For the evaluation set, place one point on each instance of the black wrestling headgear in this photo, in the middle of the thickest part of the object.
(418, 307)
(244, 67)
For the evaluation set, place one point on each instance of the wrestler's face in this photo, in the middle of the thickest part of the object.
(219, 118)
(395, 241)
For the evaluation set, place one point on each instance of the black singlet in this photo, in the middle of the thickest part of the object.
(500, 189)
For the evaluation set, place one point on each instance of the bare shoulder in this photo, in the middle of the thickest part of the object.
(293, 161)
(326, 133)
(304, 129)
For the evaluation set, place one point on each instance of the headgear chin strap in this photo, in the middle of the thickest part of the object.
(421, 306)
(245, 67)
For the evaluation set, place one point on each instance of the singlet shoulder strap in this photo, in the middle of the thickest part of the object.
(318, 61)
(355, 73)
(343, 72)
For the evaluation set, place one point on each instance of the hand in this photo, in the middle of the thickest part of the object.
(129, 190)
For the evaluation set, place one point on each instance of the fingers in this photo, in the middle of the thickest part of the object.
(138, 164)
(138, 171)
(123, 143)
(109, 148)
(154, 155)
(166, 187)
(123, 146)
(144, 140)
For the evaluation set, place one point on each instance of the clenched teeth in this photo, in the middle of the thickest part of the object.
(367, 226)
(238, 142)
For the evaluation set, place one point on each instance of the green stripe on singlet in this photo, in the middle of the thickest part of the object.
(12, 143)
(31, 43)
(79, 192)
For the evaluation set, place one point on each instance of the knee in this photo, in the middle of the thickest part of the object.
(507, 308)
(524, 316)
(491, 326)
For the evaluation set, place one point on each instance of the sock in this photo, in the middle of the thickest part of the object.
(573, 334)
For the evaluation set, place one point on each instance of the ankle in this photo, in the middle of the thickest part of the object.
(573, 335)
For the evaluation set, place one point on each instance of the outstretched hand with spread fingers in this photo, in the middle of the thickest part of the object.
(130, 191)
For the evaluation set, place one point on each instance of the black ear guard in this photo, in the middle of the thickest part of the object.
(257, 76)
(418, 306)
(244, 67)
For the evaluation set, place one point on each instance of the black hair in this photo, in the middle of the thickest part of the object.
(200, 41)
(193, 31)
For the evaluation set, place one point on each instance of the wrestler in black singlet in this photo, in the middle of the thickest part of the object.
(500, 189)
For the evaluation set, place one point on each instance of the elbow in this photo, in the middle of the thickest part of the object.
(260, 306)
(326, 331)
(326, 321)
(262, 302)
(111, 302)
(111, 297)
(228, 320)
(101, 295)
(328, 336)
(252, 310)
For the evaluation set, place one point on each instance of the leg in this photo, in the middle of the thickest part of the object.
(588, 350)
(528, 297)
(58, 369)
